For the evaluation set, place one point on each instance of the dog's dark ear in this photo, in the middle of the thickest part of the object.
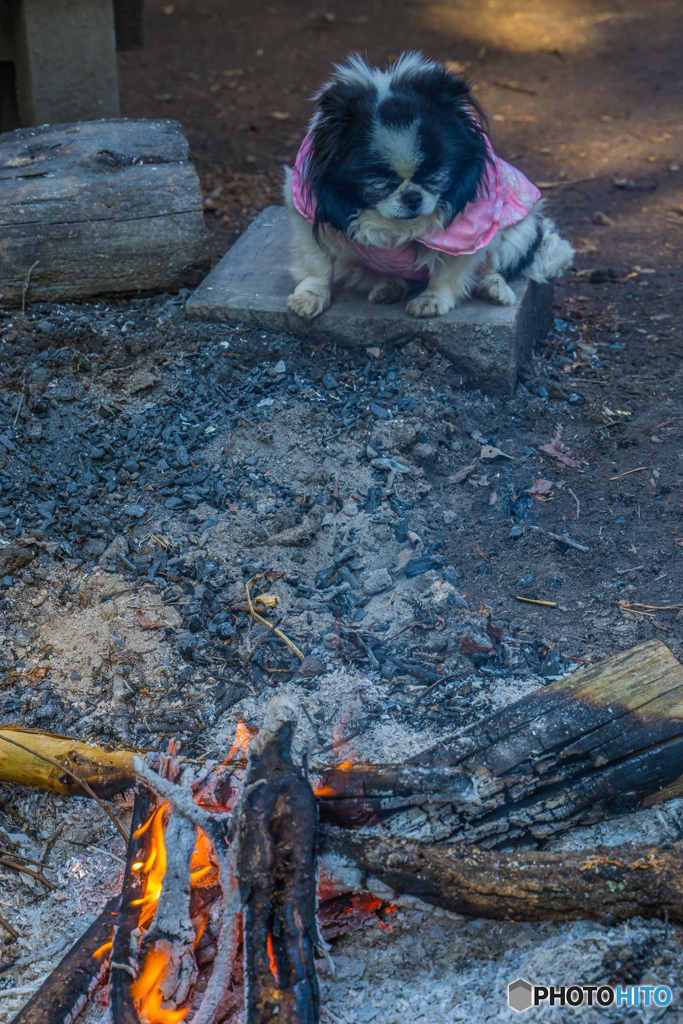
(459, 131)
(343, 114)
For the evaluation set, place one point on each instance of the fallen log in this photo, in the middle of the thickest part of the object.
(105, 771)
(604, 884)
(606, 740)
(65, 992)
(98, 207)
(276, 832)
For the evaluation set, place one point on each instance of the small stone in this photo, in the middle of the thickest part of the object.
(107, 610)
(135, 511)
(119, 544)
(542, 392)
(377, 581)
(280, 367)
(34, 432)
(516, 531)
(96, 454)
(526, 580)
(311, 666)
(182, 457)
(449, 516)
(172, 617)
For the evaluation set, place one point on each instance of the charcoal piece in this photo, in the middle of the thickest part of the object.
(422, 563)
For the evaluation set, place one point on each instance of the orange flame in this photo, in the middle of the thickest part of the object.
(270, 948)
(154, 868)
(244, 734)
(338, 782)
(101, 950)
(202, 863)
(147, 990)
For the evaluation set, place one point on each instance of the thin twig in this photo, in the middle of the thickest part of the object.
(639, 469)
(81, 782)
(27, 281)
(531, 600)
(9, 928)
(264, 622)
(38, 875)
(21, 402)
(578, 506)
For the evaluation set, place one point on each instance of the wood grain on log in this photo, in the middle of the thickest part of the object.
(98, 207)
(608, 739)
(276, 831)
(607, 884)
(65, 992)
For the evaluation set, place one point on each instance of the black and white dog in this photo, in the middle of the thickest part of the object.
(396, 183)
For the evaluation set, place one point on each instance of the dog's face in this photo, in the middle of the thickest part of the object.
(394, 148)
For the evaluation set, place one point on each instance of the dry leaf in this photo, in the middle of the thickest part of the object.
(540, 490)
(39, 672)
(462, 474)
(146, 623)
(490, 452)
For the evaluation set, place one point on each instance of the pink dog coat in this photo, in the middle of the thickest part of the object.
(507, 197)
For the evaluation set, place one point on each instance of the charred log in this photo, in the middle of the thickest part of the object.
(124, 958)
(604, 884)
(607, 740)
(276, 831)
(66, 991)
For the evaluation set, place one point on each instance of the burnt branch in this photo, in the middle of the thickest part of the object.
(276, 832)
(66, 991)
(604, 884)
(124, 956)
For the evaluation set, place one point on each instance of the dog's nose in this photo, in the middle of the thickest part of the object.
(412, 199)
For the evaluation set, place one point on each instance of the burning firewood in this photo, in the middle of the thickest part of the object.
(276, 832)
(609, 885)
(606, 740)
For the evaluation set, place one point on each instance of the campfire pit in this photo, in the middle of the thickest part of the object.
(236, 873)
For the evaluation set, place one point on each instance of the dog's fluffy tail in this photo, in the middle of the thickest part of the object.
(553, 255)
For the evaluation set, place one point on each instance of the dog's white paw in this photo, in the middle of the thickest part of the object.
(429, 304)
(388, 291)
(497, 290)
(309, 303)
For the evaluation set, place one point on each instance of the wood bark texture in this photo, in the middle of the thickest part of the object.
(607, 740)
(106, 771)
(276, 831)
(604, 884)
(98, 207)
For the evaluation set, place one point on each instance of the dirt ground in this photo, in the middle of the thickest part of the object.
(583, 96)
(150, 467)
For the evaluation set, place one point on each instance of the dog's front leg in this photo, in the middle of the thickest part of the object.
(313, 268)
(450, 283)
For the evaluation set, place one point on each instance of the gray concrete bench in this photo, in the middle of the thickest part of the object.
(58, 58)
(486, 344)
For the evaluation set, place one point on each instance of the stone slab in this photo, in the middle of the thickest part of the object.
(487, 344)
